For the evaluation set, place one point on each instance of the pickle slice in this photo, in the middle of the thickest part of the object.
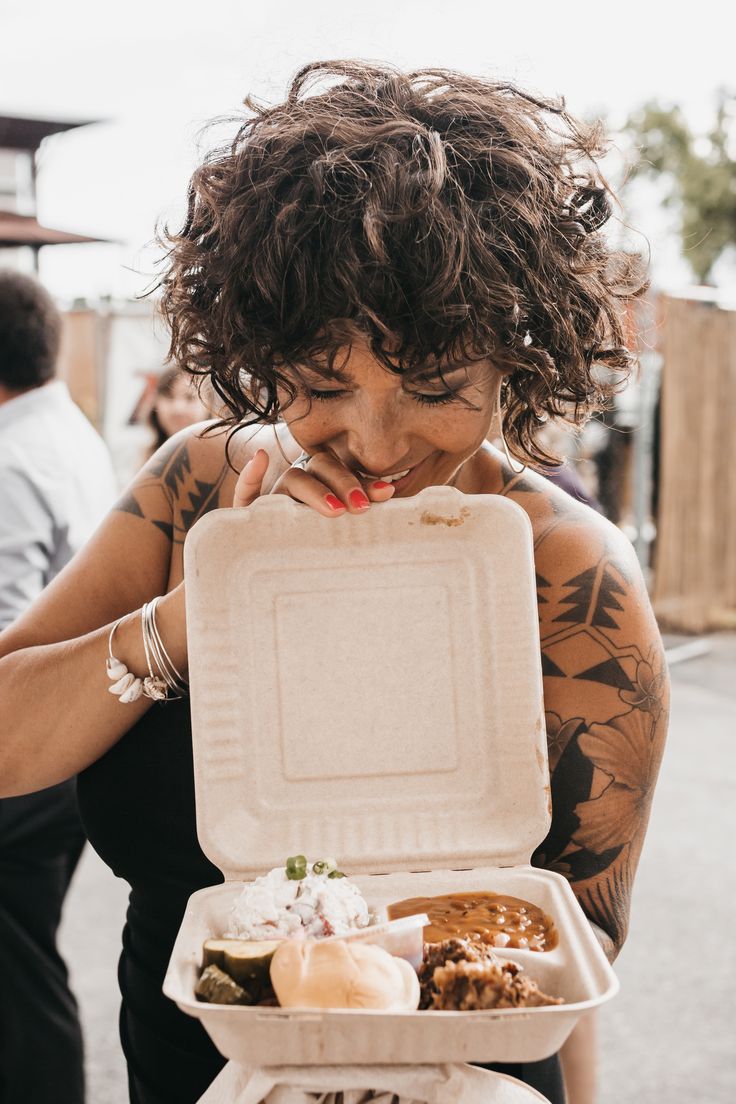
(245, 960)
(217, 987)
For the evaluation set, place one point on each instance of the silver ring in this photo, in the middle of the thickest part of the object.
(302, 461)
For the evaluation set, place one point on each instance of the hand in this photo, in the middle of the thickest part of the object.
(322, 482)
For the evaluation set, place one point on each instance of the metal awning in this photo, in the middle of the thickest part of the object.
(19, 230)
(19, 133)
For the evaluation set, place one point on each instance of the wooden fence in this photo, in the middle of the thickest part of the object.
(695, 561)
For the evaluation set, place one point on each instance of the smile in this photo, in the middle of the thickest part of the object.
(386, 478)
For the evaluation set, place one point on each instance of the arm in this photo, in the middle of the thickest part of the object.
(57, 716)
(606, 699)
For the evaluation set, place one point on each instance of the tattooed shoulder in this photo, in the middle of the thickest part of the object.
(183, 480)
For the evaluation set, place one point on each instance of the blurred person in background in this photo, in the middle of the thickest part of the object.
(56, 483)
(576, 474)
(178, 402)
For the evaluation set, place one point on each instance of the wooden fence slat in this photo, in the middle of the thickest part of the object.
(695, 565)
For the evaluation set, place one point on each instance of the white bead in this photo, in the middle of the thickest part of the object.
(115, 669)
(122, 684)
(133, 692)
(155, 688)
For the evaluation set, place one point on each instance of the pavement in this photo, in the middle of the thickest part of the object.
(668, 1035)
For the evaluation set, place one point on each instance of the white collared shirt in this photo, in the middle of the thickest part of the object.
(56, 484)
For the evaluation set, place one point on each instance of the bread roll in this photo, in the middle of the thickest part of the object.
(308, 974)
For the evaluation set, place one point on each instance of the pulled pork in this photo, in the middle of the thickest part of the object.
(462, 975)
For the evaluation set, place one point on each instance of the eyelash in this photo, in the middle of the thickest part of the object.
(424, 400)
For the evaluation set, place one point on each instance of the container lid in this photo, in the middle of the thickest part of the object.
(367, 687)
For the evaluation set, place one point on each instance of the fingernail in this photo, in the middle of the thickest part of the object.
(334, 503)
(380, 485)
(358, 500)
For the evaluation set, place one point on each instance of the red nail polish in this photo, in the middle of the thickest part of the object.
(358, 500)
(380, 485)
(334, 503)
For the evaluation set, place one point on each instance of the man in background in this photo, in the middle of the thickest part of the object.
(56, 483)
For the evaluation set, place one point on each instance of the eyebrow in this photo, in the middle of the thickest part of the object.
(441, 374)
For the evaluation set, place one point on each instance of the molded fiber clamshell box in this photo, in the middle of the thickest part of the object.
(370, 687)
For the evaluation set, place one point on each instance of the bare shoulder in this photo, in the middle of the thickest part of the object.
(195, 472)
(587, 570)
(595, 617)
(184, 479)
(566, 533)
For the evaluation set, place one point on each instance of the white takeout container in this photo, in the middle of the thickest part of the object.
(371, 688)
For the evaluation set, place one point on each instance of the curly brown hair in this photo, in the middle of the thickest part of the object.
(440, 216)
(30, 332)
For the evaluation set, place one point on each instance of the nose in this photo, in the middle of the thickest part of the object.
(381, 452)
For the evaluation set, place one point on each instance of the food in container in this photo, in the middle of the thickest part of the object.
(356, 969)
(305, 906)
(297, 900)
(246, 961)
(342, 975)
(492, 918)
(403, 938)
(217, 987)
(464, 975)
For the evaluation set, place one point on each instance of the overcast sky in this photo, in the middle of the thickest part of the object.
(156, 70)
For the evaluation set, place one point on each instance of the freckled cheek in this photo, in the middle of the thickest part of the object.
(464, 432)
(309, 428)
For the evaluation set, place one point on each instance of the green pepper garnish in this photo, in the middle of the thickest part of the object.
(336, 874)
(296, 868)
(324, 866)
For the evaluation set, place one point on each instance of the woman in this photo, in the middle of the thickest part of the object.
(177, 403)
(384, 263)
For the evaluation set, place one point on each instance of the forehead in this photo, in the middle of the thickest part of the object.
(180, 386)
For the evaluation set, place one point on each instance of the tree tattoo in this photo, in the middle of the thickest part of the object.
(169, 496)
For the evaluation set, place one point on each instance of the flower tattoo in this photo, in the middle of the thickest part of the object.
(622, 749)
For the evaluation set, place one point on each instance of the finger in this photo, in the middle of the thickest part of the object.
(357, 494)
(305, 488)
(250, 480)
(378, 490)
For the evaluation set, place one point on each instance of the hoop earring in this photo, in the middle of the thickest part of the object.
(507, 454)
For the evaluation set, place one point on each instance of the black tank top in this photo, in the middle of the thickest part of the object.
(137, 805)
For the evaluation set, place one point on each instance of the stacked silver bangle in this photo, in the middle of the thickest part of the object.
(154, 648)
(165, 685)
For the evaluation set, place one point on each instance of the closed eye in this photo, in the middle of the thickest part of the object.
(435, 399)
(323, 396)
